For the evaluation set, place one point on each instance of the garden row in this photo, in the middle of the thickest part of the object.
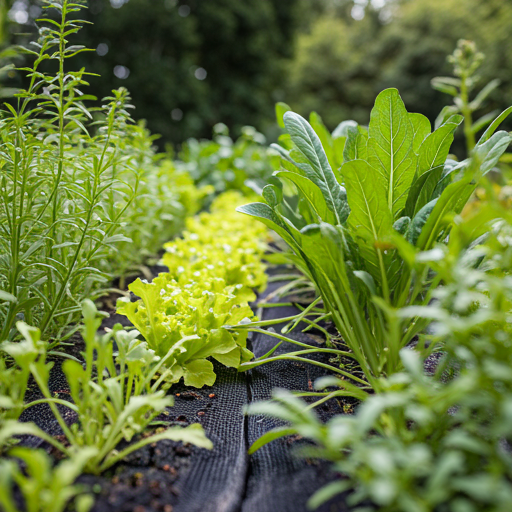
(385, 262)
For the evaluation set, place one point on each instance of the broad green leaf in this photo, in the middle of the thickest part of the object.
(281, 109)
(419, 221)
(435, 148)
(318, 171)
(266, 215)
(343, 128)
(447, 205)
(230, 359)
(370, 217)
(488, 153)
(324, 249)
(199, 373)
(390, 147)
(326, 139)
(433, 153)
(339, 140)
(356, 145)
(421, 130)
(402, 225)
(313, 195)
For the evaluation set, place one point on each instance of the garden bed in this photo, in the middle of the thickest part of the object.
(168, 476)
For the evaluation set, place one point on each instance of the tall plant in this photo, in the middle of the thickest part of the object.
(56, 223)
(359, 230)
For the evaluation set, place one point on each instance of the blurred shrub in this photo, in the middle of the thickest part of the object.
(190, 64)
(227, 164)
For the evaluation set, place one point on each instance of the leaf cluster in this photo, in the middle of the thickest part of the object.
(438, 441)
(212, 272)
(366, 204)
(243, 164)
(115, 394)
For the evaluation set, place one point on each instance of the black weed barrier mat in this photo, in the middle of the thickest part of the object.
(171, 477)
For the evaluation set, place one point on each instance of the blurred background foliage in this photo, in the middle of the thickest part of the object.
(190, 64)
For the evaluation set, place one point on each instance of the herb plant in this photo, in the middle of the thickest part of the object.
(56, 178)
(358, 231)
(466, 61)
(114, 398)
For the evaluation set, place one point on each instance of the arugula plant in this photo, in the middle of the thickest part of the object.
(15, 361)
(431, 442)
(357, 231)
(115, 395)
(44, 488)
(212, 273)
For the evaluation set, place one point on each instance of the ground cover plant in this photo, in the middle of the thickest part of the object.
(213, 270)
(358, 230)
(115, 394)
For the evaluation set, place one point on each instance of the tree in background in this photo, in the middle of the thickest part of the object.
(189, 64)
(343, 62)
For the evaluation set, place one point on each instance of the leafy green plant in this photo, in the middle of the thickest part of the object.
(434, 442)
(212, 273)
(166, 196)
(56, 227)
(114, 398)
(431, 442)
(44, 488)
(15, 361)
(226, 164)
(358, 231)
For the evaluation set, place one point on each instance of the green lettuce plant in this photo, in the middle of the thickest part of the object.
(213, 270)
(115, 395)
(359, 231)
